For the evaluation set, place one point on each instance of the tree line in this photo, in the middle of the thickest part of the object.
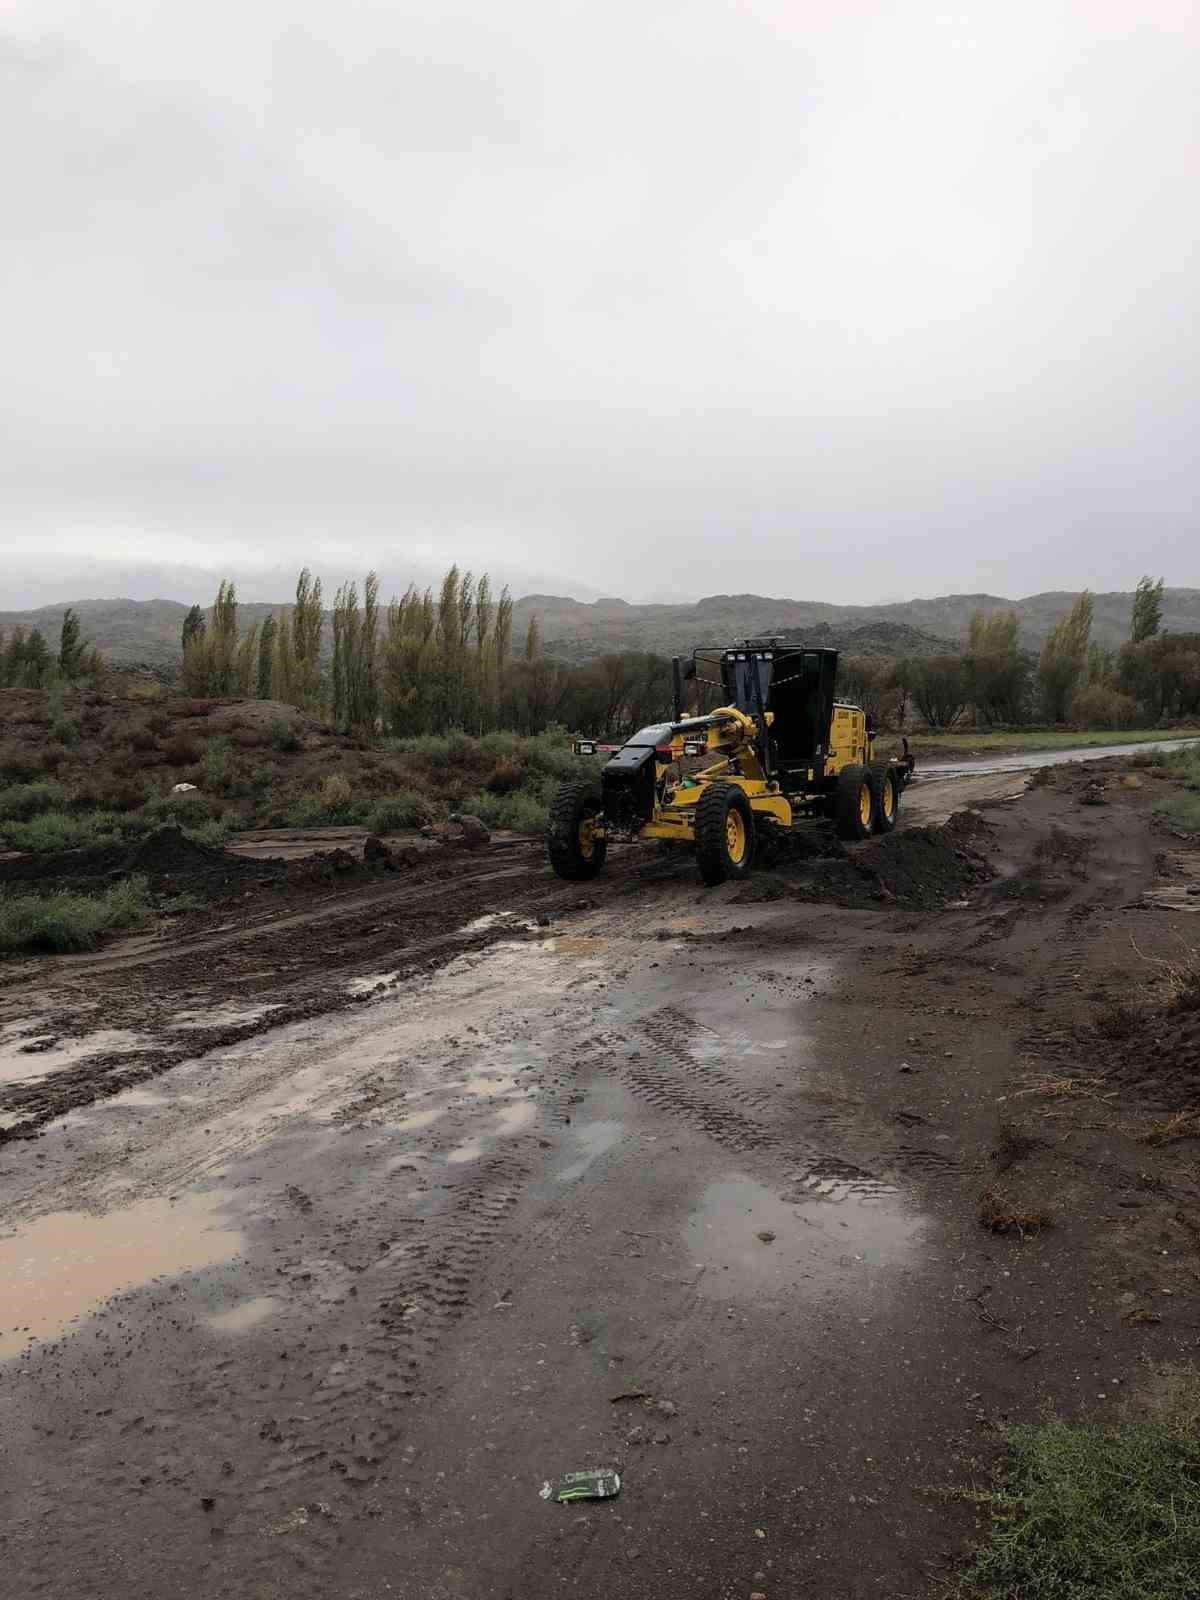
(1153, 677)
(434, 660)
(427, 662)
(27, 660)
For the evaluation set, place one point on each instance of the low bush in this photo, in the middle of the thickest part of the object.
(1097, 706)
(25, 800)
(61, 830)
(66, 729)
(217, 766)
(283, 734)
(523, 813)
(336, 792)
(70, 921)
(403, 809)
(1102, 1511)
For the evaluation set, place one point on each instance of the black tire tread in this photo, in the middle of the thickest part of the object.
(562, 833)
(845, 803)
(712, 851)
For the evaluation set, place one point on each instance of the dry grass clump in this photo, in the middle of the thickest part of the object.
(999, 1214)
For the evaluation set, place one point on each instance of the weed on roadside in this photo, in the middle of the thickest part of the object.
(1089, 1512)
(998, 1214)
(71, 921)
(1179, 1125)
(1119, 1019)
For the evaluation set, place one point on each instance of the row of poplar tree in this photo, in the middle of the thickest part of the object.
(27, 660)
(1154, 676)
(421, 664)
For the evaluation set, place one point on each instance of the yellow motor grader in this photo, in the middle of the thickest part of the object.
(782, 748)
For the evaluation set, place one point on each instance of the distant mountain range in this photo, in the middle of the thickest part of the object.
(131, 631)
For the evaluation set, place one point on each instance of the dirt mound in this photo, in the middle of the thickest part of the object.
(1160, 1059)
(167, 856)
(919, 867)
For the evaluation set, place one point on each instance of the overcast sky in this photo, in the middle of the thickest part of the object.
(836, 299)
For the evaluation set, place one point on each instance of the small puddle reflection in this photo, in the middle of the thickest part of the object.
(66, 1265)
(248, 1315)
(498, 919)
(595, 1138)
(418, 1119)
(221, 1016)
(822, 1239)
(513, 1118)
(369, 984)
(576, 944)
(35, 1056)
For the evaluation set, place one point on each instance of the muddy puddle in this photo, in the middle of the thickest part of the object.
(241, 1318)
(64, 1267)
(221, 1016)
(592, 1139)
(748, 1240)
(31, 1055)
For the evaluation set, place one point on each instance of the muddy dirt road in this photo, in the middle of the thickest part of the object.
(333, 1227)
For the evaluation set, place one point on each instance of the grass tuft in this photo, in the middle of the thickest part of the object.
(998, 1214)
(71, 921)
(1086, 1512)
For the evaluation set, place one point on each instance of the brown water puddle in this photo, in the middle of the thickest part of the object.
(64, 1266)
(749, 1240)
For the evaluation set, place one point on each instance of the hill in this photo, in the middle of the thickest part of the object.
(147, 631)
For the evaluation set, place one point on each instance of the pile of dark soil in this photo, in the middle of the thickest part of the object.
(167, 858)
(1160, 1058)
(923, 867)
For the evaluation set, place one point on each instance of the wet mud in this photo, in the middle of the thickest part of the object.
(386, 1206)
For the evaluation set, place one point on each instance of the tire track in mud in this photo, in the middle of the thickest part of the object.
(339, 1439)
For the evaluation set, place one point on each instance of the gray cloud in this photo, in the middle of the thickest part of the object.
(853, 301)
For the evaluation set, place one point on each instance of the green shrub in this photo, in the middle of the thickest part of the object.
(60, 830)
(66, 729)
(336, 792)
(1095, 1512)
(283, 734)
(1097, 706)
(25, 800)
(70, 921)
(216, 765)
(523, 813)
(405, 808)
(214, 832)
(1182, 811)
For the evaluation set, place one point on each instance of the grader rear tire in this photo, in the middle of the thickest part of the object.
(571, 845)
(885, 792)
(854, 804)
(724, 834)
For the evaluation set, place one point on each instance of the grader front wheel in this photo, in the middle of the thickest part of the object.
(574, 844)
(724, 833)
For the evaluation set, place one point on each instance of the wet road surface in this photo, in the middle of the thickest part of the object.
(317, 1311)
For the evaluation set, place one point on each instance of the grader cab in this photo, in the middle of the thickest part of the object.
(778, 750)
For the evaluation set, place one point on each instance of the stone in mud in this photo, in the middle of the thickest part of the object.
(375, 852)
(474, 832)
